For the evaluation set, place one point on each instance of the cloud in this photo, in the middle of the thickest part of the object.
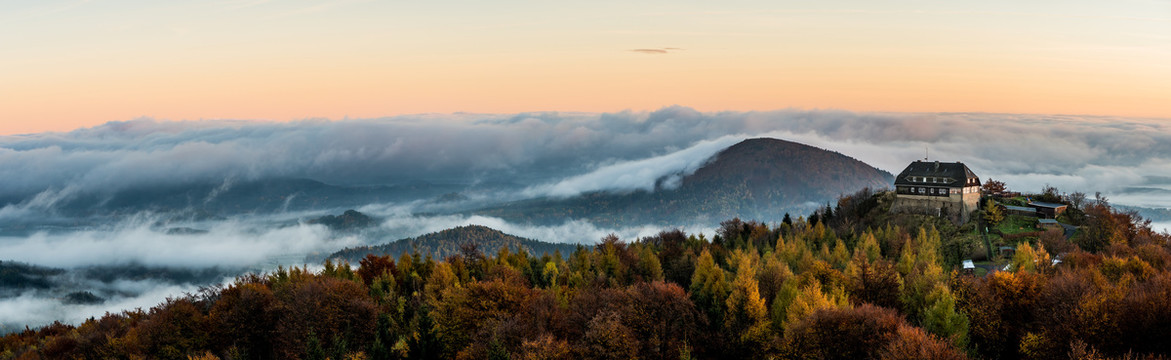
(537, 154)
(33, 309)
(230, 244)
(571, 232)
(254, 244)
(561, 153)
(655, 51)
(643, 174)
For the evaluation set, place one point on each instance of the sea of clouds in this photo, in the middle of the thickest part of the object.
(567, 153)
(540, 154)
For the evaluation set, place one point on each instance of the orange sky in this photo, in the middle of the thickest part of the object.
(70, 64)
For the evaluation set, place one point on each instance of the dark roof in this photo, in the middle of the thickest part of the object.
(956, 174)
(1019, 208)
(1046, 205)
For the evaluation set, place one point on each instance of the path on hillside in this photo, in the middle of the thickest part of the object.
(1069, 230)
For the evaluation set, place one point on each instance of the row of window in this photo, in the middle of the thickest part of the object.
(936, 191)
(931, 179)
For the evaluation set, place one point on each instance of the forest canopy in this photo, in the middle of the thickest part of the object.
(847, 282)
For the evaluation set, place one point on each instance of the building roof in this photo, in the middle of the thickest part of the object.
(935, 173)
(1047, 221)
(1046, 205)
(1019, 208)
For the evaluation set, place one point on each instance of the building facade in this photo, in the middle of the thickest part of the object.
(936, 188)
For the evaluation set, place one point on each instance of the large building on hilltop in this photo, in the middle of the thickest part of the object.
(938, 189)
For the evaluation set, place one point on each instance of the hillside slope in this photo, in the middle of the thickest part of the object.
(757, 178)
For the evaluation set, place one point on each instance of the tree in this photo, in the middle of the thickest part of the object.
(911, 343)
(746, 318)
(1049, 194)
(944, 320)
(1026, 259)
(993, 215)
(545, 347)
(464, 311)
(873, 282)
(247, 313)
(662, 317)
(868, 247)
(991, 187)
(847, 333)
(808, 300)
(607, 338)
(709, 287)
(1076, 199)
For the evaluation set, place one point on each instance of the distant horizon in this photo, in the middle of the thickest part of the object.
(4, 128)
(68, 64)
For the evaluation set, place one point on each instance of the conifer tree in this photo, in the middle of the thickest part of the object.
(944, 320)
(709, 287)
(746, 317)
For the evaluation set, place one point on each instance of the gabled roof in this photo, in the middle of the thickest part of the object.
(956, 173)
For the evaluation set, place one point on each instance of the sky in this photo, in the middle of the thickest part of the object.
(80, 63)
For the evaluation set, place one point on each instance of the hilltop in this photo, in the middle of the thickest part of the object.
(449, 242)
(759, 178)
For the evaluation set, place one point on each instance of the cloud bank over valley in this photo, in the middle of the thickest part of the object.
(421, 173)
(562, 154)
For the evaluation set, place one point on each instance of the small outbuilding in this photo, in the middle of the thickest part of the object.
(1007, 251)
(1020, 210)
(1048, 210)
(1049, 224)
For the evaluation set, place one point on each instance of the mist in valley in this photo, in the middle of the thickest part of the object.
(134, 212)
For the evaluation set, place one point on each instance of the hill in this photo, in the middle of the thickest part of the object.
(757, 178)
(351, 220)
(449, 242)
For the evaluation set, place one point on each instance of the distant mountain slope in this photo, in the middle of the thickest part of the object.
(448, 242)
(756, 178)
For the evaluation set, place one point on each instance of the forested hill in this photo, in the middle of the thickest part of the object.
(450, 242)
(861, 283)
(757, 178)
(774, 171)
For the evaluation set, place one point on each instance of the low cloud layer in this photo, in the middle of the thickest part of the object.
(563, 153)
(643, 174)
(538, 154)
(225, 244)
(230, 245)
(33, 309)
(403, 224)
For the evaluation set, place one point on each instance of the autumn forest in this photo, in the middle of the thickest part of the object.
(850, 281)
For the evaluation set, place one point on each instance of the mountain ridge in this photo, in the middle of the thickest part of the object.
(756, 178)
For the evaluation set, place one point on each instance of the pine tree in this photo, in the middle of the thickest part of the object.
(746, 318)
(992, 213)
(944, 320)
(709, 287)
